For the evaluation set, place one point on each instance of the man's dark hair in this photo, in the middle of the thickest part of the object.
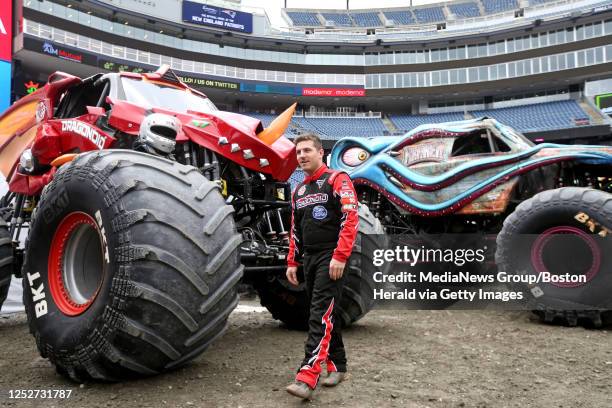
(309, 136)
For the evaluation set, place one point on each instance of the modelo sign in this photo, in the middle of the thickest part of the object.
(204, 14)
(337, 92)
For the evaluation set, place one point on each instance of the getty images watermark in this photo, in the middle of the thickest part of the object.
(463, 271)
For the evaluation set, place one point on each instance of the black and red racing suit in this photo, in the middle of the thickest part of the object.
(324, 225)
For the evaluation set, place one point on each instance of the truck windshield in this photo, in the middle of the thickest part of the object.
(155, 95)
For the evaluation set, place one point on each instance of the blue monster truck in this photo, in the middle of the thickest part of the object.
(480, 176)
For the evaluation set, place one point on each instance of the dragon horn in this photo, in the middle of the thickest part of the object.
(278, 126)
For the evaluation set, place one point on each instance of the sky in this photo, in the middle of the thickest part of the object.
(273, 7)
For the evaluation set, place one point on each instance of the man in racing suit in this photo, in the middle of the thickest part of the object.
(323, 229)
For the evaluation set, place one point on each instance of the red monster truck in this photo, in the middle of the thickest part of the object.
(145, 206)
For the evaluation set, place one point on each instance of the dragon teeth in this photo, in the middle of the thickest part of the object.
(395, 181)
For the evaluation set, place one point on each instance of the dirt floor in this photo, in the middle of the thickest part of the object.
(396, 359)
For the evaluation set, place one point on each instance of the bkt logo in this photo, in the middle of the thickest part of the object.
(49, 49)
(209, 10)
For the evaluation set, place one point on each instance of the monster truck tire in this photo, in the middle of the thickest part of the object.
(583, 218)
(131, 266)
(289, 303)
(6, 262)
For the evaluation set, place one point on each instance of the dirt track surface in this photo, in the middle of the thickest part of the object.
(396, 359)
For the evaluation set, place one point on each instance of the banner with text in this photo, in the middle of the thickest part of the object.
(6, 54)
(469, 271)
(6, 31)
(337, 92)
(205, 14)
(59, 51)
(5, 85)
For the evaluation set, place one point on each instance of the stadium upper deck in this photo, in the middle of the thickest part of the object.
(361, 27)
(406, 16)
(457, 15)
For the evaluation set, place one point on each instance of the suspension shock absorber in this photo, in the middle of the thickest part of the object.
(186, 153)
(206, 153)
(26, 209)
(215, 166)
(588, 179)
(283, 233)
(194, 155)
(271, 234)
(16, 213)
(561, 176)
(375, 204)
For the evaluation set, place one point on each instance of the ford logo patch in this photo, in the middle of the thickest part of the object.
(319, 212)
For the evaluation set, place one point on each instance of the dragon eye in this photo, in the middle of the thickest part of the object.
(355, 156)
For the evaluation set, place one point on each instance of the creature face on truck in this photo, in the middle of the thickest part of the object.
(480, 176)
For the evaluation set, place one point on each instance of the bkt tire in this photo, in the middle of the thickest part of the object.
(289, 303)
(131, 266)
(567, 232)
(6, 261)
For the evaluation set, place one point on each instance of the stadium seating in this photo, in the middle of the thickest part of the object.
(403, 17)
(408, 122)
(525, 118)
(423, 14)
(340, 19)
(537, 117)
(265, 118)
(498, 6)
(464, 10)
(301, 125)
(429, 15)
(305, 19)
(337, 128)
(296, 178)
(366, 19)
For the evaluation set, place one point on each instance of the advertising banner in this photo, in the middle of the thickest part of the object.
(337, 92)
(273, 89)
(6, 20)
(6, 13)
(204, 14)
(192, 81)
(117, 67)
(59, 51)
(5, 85)
(196, 82)
(604, 101)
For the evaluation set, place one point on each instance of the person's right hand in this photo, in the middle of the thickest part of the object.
(292, 275)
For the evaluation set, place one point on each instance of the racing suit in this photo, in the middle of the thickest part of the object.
(324, 225)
